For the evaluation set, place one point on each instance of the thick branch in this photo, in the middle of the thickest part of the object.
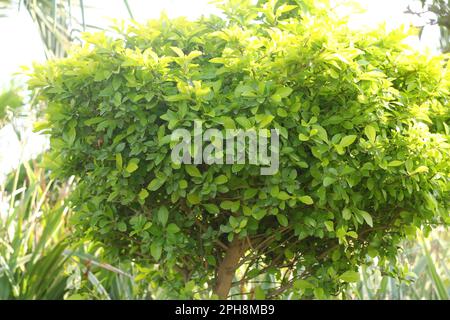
(227, 268)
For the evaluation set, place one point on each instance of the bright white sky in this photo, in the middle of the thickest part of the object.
(20, 44)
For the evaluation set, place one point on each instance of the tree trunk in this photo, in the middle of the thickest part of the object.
(228, 266)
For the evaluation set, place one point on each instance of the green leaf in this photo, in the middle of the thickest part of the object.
(282, 112)
(194, 54)
(227, 122)
(132, 165)
(183, 184)
(303, 284)
(395, 163)
(329, 225)
(234, 222)
(247, 210)
(250, 193)
(274, 191)
(70, 135)
(193, 171)
(119, 161)
(283, 92)
(264, 119)
(282, 195)
(244, 122)
(211, 208)
(420, 169)
(163, 215)
(193, 198)
(372, 252)
(352, 234)
(178, 51)
(347, 141)
(172, 228)
(156, 250)
(93, 121)
(321, 133)
(350, 276)
(306, 200)
(258, 214)
(367, 217)
(409, 165)
(143, 194)
(282, 220)
(260, 293)
(121, 226)
(155, 184)
(371, 133)
(328, 181)
(116, 82)
(117, 100)
(346, 214)
(233, 206)
(303, 137)
(221, 179)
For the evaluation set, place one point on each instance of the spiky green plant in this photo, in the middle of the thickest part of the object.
(32, 262)
(38, 260)
(423, 265)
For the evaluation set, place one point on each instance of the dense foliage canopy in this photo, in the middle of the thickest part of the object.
(364, 157)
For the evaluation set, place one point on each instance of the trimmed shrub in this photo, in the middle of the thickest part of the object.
(364, 153)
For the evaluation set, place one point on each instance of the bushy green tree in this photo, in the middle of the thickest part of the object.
(364, 157)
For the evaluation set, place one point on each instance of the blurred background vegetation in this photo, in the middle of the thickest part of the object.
(39, 260)
(437, 12)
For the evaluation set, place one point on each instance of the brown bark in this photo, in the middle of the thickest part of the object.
(227, 268)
